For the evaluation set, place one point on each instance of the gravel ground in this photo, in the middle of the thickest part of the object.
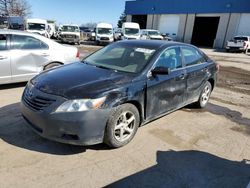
(187, 148)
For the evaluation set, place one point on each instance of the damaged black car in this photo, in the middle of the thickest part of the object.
(112, 92)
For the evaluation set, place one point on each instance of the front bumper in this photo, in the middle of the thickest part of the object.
(75, 40)
(77, 128)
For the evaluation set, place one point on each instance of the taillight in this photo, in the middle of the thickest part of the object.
(244, 44)
(78, 54)
(217, 67)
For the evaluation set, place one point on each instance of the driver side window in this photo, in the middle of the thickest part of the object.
(171, 58)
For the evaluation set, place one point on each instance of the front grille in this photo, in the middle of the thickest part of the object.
(104, 38)
(70, 36)
(37, 103)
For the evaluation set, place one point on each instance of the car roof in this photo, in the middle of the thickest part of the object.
(153, 44)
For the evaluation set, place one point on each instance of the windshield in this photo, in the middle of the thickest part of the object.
(241, 38)
(104, 31)
(36, 26)
(153, 32)
(70, 28)
(121, 57)
(131, 31)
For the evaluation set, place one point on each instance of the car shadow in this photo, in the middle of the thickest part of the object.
(232, 115)
(14, 131)
(183, 169)
(11, 86)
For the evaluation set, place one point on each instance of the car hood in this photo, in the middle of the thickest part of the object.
(79, 80)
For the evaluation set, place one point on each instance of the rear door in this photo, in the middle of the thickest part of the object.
(5, 67)
(28, 56)
(166, 92)
(197, 72)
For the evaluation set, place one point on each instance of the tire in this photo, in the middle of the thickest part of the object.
(122, 126)
(51, 65)
(204, 96)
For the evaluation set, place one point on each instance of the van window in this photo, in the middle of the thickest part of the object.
(171, 58)
(22, 42)
(192, 56)
(3, 42)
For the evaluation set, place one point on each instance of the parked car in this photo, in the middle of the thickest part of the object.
(69, 33)
(117, 34)
(150, 34)
(167, 37)
(24, 55)
(109, 94)
(239, 43)
(91, 35)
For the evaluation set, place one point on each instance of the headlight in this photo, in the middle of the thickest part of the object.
(80, 105)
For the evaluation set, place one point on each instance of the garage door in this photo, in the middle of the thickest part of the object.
(169, 24)
(244, 26)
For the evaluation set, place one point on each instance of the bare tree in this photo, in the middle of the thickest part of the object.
(15, 8)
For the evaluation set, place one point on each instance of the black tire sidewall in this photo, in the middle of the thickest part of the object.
(51, 65)
(109, 137)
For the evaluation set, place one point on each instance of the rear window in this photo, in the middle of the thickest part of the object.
(241, 38)
(192, 56)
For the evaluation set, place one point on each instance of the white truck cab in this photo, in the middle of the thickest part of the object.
(38, 26)
(130, 30)
(69, 33)
(104, 33)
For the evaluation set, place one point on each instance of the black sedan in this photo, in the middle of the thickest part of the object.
(109, 94)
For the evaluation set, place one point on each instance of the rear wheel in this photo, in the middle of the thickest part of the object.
(205, 95)
(51, 65)
(122, 126)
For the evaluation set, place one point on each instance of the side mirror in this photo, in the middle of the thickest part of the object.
(161, 71)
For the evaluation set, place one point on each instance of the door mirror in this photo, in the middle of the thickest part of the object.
(161, 71)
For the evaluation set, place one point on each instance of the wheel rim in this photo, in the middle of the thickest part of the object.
(125, 126)
(205, 95)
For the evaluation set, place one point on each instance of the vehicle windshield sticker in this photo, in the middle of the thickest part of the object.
(144, 50)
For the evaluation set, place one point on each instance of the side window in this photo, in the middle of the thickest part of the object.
(192, 56)
(171, 58)
(22, 42)
(3, 42)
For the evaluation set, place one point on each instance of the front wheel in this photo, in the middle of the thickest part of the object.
(122, 126)
(205, 95)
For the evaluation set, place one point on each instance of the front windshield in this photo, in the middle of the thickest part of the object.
(154, 33)
(121, 57)
(36, 26)
(131, 31)
(104, 31)
(69, 28)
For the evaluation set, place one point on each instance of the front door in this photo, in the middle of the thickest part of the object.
(166, 92)
(5, 67)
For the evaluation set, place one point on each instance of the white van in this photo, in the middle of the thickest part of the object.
(104, 33)
(69, 33)
(130, 31)
(38, 26)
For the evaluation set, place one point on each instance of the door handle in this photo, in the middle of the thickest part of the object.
(2, 57)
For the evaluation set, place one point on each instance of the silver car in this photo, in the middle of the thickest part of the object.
(24, 55)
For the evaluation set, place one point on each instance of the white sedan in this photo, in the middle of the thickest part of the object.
(24, 55)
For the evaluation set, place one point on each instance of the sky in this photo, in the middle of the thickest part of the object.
(78, 11)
